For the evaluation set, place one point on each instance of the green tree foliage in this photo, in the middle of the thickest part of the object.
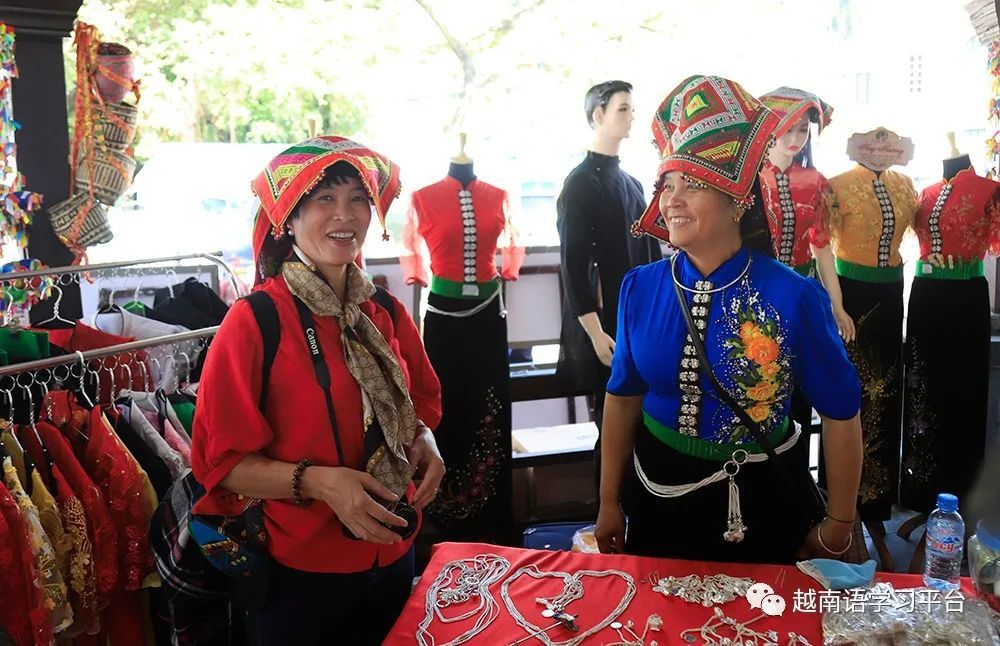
(235, 70)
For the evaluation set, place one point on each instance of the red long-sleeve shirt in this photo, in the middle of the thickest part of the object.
(436, 225)
(796, 202)
(229, 425)
(966, 223)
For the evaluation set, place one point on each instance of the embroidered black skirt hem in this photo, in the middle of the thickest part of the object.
(474, 436)
(947, 389)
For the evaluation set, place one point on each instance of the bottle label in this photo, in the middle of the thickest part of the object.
(944, 545)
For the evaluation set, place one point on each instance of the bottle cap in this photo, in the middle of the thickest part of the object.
(947, 502)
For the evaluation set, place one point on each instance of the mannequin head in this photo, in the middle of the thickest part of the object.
(792, 146)
(609, 110)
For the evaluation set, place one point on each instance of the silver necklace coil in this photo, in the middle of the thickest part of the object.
(673, 274)
(572, 591)
(460, 582)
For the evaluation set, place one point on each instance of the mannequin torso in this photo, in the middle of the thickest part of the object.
(462, 172)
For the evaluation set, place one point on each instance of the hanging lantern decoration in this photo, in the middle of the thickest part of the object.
(104, 127)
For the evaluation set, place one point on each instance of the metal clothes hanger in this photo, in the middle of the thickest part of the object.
(83, 378)
(57, 285)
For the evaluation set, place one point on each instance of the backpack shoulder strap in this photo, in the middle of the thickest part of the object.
(384, 300)
(266, 314)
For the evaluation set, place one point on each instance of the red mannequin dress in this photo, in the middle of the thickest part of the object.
(948, 340)
(465, 334)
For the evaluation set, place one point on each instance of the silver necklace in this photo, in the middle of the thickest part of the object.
(708, 591)
(459, 582)
(673, 274)
(572, 591)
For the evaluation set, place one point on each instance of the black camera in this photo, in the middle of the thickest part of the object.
(402, 509)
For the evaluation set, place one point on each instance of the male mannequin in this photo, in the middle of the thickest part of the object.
(596, 209)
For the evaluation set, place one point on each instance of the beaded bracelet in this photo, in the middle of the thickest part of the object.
(300, 468)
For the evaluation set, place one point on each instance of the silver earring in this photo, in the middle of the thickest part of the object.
(291, 234)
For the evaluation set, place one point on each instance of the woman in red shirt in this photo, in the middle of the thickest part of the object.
(315, 468)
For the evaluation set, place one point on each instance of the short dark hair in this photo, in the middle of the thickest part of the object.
(600, 95)
(336, 174)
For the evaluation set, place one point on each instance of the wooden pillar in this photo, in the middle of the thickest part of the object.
(40, 105)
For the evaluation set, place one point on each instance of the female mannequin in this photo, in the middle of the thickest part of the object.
(796, 198)
(796, 195)
(948, 341)
(462, 221)
(872, 208)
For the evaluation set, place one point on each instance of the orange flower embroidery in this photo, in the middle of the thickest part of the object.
(748, 331)
(769, 371)
(759, 412)
(761, 349)
(763, 392)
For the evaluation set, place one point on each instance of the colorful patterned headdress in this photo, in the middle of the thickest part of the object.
(713, 130)
(294, 172)
(791, 105)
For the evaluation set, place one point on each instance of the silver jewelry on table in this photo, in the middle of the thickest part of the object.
(573, 590)
(709, 590)
(654, 622)
(459, 582)
(742, 634)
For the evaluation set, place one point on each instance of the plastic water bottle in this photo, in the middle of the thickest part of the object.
(945, 537)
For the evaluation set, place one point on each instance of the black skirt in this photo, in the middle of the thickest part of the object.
(877, 310)
(474, 436)
(947, 387)
(691, 526)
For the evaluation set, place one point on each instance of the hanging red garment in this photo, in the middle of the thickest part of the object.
(116, 473)
(131, 370)
(101, 528)
(81, 581)
(461, 228)
(22, 610)
(796, 203)
(959, 218)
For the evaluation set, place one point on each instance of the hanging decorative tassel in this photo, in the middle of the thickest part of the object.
(735, 529)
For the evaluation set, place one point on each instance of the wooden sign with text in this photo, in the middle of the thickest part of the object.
(879, 149)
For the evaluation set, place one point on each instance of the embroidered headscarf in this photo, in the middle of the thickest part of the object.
(389, 419)
(791, 104)
(293, 173)
(713, 130)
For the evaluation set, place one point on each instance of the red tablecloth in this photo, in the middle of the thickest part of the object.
(602, 595)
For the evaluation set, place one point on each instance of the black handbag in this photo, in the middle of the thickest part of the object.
(811, 497)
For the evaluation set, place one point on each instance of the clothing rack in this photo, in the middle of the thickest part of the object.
(76, 270)
(110, 351)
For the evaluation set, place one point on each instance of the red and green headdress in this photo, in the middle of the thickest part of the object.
(294, 172)
(791, 105)
(712, 130)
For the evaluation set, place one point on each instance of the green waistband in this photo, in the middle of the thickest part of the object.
(869, 274)
(705, 449)
(453, 289)
(806, 269)
(960, 270)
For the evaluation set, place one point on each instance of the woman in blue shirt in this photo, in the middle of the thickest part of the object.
(667, 433)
